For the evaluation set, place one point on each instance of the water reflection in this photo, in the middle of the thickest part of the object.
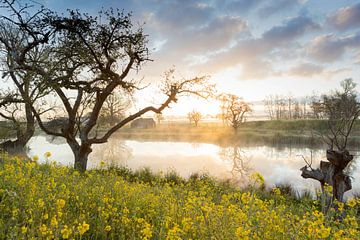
(241, 163)
(278, 166)
(114, 153)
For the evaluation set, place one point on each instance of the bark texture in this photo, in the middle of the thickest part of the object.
(331, 172)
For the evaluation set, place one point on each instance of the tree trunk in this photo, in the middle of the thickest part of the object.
(22, 136)
(15, 146)
(331, 173)
(81, 159)
(81, 154)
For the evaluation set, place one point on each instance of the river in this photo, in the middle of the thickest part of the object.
(277, 165)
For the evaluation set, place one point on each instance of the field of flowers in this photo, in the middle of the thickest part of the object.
(47, 201)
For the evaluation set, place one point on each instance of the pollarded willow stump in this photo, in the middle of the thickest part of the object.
(331, 172)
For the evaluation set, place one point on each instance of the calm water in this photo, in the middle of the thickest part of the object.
(276, 165)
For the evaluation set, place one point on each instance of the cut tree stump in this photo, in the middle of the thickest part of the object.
(331, 172)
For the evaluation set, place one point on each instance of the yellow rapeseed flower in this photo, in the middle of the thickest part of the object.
(108, 228)
(35, 158)
(23, 229)
(241, 233)
(276, 191)
(351, 202)
(82, 228)
(60, 203)
(43, 229)
(47, 154)
(186, 224)
(146, 232)
(258, 178)
(339, 234)
(66, 232)
(323, 232)
(328, 189)
(54, 222)
(340, 206)
(41, 203)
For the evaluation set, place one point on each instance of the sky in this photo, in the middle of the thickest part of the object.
(251, 48)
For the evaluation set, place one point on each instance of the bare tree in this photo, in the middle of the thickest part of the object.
(159, 117)
(317, 108)
(290, 102)
(304, 103)
(280, 107)
(194, 116)
(269, 104)
(107, 50)
(341, 110)
(222, 98)
(236, 110)
(297, 111)
(20, 35)
(16, 102)
(114, 108)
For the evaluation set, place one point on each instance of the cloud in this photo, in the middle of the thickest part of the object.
(345, 18)
(192, 28)
(254, 54)
(277, 6)
(306, 70)
(277, 37)
(219, 33)
(357, 59)
(242, 6)
(330, 48)
(192, 45)
(256, 69)
(292, 29)
(182, 14)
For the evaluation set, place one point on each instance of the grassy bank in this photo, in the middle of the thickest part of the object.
(284, 132)
(54, 202)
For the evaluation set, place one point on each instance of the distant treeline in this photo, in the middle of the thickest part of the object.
(286, 125)
(280, 107)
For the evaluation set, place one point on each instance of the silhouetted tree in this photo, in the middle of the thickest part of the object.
(297, 111)
(194, 116)
(341, 110)
(107, 50)
(317, 107)
(269, 104)
(22, 91)
(222, 98)
(159, 117)
(114, 108)
(236, 110)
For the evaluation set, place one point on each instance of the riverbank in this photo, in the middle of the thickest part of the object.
(274, 133)
(49, 201)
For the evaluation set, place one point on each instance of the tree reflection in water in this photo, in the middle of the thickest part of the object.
(241, 167)
(113, 153)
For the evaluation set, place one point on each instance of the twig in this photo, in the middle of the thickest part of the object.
(307, 163)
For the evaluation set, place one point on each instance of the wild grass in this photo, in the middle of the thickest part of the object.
(47, 201)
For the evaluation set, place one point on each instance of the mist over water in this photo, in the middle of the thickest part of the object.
(277, 165)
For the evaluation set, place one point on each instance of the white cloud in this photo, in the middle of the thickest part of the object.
(306, 70)
(330, 48)
(346, 17)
